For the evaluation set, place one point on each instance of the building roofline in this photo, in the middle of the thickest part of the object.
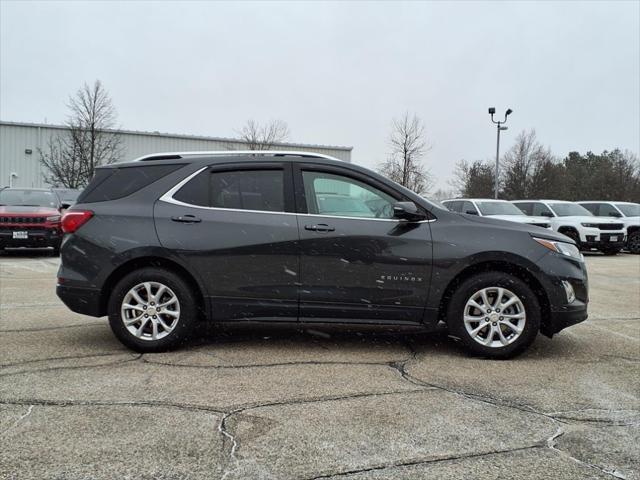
(180, 136)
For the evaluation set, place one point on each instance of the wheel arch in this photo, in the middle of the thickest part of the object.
(568, 228)
(150, 261)
(517, 270)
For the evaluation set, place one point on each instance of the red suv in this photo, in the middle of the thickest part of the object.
(30, 217)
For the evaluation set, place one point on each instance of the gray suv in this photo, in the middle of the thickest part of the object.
(168, 241)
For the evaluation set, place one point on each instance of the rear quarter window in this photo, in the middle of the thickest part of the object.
(113, 183)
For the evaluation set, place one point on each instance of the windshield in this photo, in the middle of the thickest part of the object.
(498, 208)
(629, 209)
(31, 198)
(570, 210)
(69, 195)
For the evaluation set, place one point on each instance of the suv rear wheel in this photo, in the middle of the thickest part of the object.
(152, 310)
(494, 314)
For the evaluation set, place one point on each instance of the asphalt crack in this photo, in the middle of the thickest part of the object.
(44, 329)
(422, 462)
(72, 367)
(69, 357)
(98, 403)
(553, 445)
(17, 422)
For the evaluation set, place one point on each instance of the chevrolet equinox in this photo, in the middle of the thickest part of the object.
(166, 241)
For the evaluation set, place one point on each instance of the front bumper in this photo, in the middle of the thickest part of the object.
(596, 238)
(565, 317)
(561, 312)
(35, 237)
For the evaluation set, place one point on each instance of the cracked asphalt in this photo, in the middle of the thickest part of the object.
(283, 403)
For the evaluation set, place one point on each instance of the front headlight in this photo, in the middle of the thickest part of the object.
(590, 225)
(561, 247)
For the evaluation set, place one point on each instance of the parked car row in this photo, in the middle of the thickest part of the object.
(31, 217)
(605, 226)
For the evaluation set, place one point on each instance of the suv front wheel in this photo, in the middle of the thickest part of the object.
(633, 242)
(152, 310)
(494, 314)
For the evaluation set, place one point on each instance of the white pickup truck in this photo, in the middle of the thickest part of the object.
(628, 213)
(486, 207)
(579, 224)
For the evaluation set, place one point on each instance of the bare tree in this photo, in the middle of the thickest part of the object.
(62, 159)
(443, 194)
(263, 137)
(408, 147)
(73, 156)
(521, 163)
(474, 180)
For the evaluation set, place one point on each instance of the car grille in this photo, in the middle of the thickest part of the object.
(20, 228)
(610, 226)
(25, 220)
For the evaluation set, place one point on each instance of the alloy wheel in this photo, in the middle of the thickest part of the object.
(494, 317)
(150, 311)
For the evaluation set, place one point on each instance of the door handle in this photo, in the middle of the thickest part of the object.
(186, 219)
(320, 227)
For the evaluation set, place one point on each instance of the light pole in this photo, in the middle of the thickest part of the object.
(492, 111)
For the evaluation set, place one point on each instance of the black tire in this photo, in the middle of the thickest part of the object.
(186, 322)
(633, 242)
(468, 288)
(56, 251)
(610, 250)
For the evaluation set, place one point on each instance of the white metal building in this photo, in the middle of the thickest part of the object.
(20, 144)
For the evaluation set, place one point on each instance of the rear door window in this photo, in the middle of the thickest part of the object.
(261, 190)
(248, 190)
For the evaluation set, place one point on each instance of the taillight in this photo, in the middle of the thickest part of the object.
(72, 220)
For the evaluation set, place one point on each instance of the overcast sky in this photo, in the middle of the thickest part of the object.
(337, 73)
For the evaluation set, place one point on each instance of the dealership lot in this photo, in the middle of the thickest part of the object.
(283, 403)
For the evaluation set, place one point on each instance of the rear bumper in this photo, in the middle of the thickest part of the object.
(41, 237)
(81, 300)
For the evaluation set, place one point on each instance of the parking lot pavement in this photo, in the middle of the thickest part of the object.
(285, 403)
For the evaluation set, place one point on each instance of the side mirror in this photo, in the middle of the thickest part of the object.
(471, 212)
(64, 206)
(545, 213)
(407, 211)
(615, 214)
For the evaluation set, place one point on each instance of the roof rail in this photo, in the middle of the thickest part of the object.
(274, 153)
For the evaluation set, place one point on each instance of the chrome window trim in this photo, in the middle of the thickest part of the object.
(168, 198)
